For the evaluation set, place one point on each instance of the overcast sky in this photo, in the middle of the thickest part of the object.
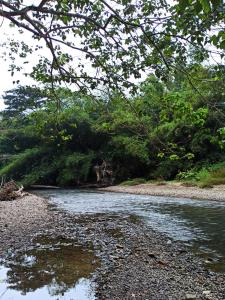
(6, 80)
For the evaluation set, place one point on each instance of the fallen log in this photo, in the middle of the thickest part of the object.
(10, 191)
(40, 186)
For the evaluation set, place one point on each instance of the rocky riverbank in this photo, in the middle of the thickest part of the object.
(21, 219)
(136, 262)
(216, 193)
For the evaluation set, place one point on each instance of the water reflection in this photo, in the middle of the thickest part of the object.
(50, 270)
(200, 223)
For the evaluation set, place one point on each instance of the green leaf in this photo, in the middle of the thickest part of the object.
(174, 157)
(222, 44)
(205, 5)
(183, 4)
(216, 3)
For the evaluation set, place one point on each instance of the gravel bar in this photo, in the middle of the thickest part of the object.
(216, 193)
(136, 261)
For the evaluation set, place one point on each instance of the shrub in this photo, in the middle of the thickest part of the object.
(22, 163)
(134, 181)
(75, 168)
(214, 178)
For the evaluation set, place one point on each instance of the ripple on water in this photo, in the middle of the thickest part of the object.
(199, 223)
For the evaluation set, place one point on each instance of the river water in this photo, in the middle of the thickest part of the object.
(198, 223)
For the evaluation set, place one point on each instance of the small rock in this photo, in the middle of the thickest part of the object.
(152, 255)
(164, 263)
(206, 293)
(208, 260)
(190, 297)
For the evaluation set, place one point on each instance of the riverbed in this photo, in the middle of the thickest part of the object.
(95, 245)
(199, 224)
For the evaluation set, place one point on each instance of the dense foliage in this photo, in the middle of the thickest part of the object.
(117, 39)
(168, 130)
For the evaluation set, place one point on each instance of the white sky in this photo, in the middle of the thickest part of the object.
(6, 80)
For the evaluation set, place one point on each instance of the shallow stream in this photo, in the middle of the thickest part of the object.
(198, 223)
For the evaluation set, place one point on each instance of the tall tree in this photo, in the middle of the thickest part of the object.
(22, 100)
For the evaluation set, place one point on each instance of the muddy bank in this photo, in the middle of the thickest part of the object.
(216, 193)
(136, 262)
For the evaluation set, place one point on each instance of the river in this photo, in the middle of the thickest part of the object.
(198, 223)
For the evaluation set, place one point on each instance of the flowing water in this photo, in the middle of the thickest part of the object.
(198, 223)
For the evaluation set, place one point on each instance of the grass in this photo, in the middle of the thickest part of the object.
(207, 178)
(134, 181)
(204, 178)
(215, 177)
(137, 181)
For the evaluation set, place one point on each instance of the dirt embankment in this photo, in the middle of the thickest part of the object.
(216, 193)
(136, 262)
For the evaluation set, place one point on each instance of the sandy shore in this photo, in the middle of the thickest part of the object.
(216, 193)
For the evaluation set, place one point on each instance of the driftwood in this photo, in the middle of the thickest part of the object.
(104, 173)
(41, 186)
(10, 191)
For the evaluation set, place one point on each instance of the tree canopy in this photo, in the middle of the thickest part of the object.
(172, 124)
(98, 43)
(165, 131)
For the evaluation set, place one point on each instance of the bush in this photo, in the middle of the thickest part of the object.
(214, 178)
(22, 163)
(187, 175)
(75, 168)
(41, 166)
(166, 170)
(134, 181)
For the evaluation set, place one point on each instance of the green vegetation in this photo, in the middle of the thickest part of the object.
(118, 39)
(134, 181)
(207, 176)
(167, 131)
(170, 126)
